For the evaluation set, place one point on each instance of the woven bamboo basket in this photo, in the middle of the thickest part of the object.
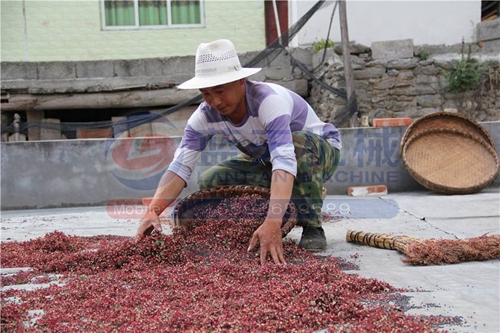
(448, 120)
(184, 210)
(421, 251)
(450, 161)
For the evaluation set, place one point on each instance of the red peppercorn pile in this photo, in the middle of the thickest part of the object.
(199, 279)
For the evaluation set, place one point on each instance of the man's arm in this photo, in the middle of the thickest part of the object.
(168, 190)
(268, 235)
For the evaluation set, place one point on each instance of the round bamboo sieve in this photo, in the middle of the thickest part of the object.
(450, 161)
(438, 120)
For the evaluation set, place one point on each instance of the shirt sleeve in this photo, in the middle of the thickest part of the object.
(275, 113)
(193, 142)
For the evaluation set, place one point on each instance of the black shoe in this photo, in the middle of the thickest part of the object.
(313, 239)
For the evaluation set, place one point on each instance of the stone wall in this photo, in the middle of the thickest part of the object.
(403, 87)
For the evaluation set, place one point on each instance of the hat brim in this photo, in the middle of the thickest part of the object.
(207, 82)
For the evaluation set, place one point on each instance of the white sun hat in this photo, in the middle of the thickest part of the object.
(217, 63)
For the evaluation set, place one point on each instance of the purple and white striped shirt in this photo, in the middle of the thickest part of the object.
(273, 113)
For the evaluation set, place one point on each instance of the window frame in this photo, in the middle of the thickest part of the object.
(169, 24)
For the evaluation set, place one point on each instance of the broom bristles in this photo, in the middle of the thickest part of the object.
(432, 251)
(452, 251)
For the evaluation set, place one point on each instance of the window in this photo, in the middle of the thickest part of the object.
(150, 14)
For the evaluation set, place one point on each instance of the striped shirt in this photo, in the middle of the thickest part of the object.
(273, 113)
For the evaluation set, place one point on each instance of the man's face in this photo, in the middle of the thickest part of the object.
(228, 98)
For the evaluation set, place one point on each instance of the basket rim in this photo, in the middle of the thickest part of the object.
(449, 189)
(407, 135)
(211, 193)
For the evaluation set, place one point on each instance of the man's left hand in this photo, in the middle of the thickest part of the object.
(268, 235)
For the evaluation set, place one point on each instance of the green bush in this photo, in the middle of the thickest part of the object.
(321, 44)
(424, 55)
(466, 73)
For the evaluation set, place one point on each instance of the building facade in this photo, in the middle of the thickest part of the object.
(71, 30)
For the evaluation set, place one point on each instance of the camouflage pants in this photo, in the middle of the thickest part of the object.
(316, 163)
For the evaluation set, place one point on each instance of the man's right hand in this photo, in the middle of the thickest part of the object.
(168, 190)
(149, 222)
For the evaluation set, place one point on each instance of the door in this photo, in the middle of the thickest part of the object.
(271, 31)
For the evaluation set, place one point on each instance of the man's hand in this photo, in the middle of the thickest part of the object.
(168, 190)
(268, 235)
(149, 222)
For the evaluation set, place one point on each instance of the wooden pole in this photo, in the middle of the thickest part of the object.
(123, 99)
(34, 116)
(277, 20)
(352, 106)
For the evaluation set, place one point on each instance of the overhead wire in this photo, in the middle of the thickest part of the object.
(327, 39)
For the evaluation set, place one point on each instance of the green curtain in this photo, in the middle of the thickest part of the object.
(119, 13)
(153, 12)
(186, 12)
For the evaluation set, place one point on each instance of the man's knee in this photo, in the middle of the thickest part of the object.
(202, 182)
(221, 176)
(208, 179)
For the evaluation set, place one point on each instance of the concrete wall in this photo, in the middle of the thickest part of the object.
(71, 30)
(95, 172)
(426, 22)
(488, 33)
(120, 75)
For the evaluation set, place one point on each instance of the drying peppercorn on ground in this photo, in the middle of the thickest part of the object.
(83, 272)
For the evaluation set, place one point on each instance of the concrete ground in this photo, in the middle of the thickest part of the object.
(468, 291)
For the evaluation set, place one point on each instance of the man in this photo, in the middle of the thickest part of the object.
(284, 145)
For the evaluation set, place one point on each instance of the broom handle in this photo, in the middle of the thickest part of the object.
(383, 241)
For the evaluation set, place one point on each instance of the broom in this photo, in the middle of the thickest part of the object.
(420, 251)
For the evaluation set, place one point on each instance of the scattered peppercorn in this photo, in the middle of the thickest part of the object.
(201, 278)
